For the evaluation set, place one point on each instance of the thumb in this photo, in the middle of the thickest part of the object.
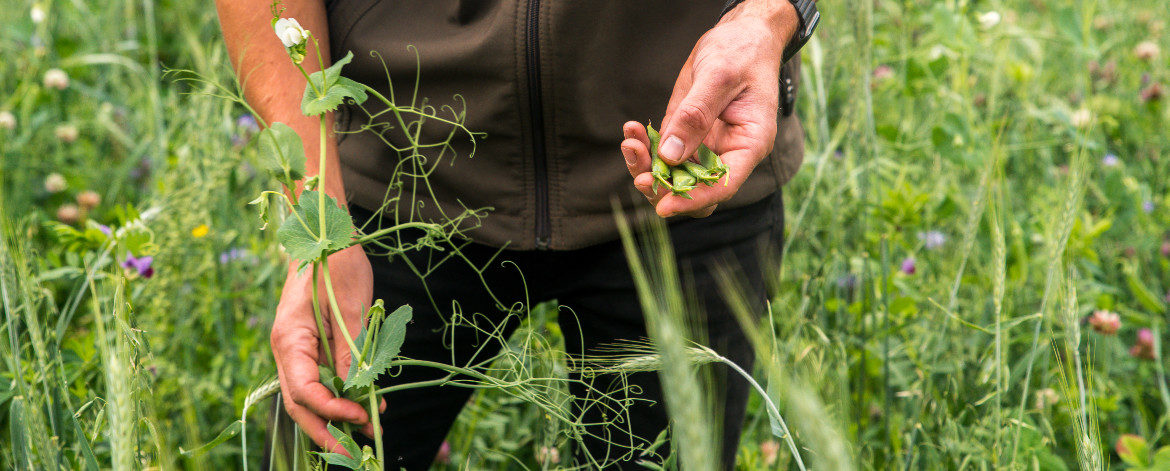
(689, 122)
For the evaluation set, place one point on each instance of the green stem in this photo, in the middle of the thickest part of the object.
(406, 225)
(337, 311)
(321, 322)
(377, 422)
(772, 410)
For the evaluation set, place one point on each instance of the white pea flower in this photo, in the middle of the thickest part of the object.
(56, 79)
(989, 20)
(37, 13)
(7, 120)
(55, 183)
(290, 32)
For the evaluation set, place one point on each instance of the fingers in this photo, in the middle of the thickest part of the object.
(687, 123)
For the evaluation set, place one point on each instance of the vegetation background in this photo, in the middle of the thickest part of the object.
(975, 276)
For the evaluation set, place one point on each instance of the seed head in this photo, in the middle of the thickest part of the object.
(1147, 50)
(67, 133)
(68, 213)
(55, 183)
(56, 79)
(88, 199)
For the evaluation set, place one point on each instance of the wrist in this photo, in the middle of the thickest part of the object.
(778, 17)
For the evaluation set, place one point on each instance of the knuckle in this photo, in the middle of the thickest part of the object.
(722, 76)
(692, 116)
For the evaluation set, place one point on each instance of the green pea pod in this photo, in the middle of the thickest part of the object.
(704, 175)
(713, 163)
(683, 182)
(658, 167)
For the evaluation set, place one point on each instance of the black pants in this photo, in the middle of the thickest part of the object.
(595, 285)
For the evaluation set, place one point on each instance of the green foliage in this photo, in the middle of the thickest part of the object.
(301, 234)
(283, 154)
(388, 336)
(327, 89)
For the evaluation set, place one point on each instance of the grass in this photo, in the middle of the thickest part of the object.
(978, 155)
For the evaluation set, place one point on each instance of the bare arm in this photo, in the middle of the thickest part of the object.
(273, 87)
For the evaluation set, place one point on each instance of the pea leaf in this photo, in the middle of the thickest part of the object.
(299, 234)
(283, 153)
(337, 459)
(327, 89)
(390, 336)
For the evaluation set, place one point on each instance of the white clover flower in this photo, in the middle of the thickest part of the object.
(55, 183)
(1146, 50)
(66, 133)
(1082, 118)
(7, 120)
(989, 20)
(290, 32)
(37, 13)
(56, 79)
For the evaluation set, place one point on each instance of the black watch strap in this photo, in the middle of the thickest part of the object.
(806, 13)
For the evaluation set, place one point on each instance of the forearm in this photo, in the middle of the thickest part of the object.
(272, 84)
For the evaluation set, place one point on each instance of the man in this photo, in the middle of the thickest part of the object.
(547, 82)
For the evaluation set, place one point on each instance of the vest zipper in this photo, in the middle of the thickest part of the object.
(536, 113)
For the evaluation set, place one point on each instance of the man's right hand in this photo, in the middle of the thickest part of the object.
(298, 350)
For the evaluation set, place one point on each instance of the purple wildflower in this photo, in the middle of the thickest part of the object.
(908, 266)
(1148, 206)
(932, 239)
(1110, 160)
(105, 229)
(1143, 348)
(141, 265)
(444, 454)
(248, 123)
(235, 253)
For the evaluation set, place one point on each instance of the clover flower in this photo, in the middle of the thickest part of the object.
(444, 454)
(1105, 322)
(56, 79)
(88, 199)
(548, 455)
(1143, 348)
(1046, 397)
(139, 265)
(1165, 249)
(67, 133)
(989, 20)
(1154, 92)
(68, 213)
(909, 266)
(769, 450)
(1146, 50)
(7, 120)
(55, 183)
(882, 73)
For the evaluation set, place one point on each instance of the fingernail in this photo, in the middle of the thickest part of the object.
(631, 159)
(672, 149)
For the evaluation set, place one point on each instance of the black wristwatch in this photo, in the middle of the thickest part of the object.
(809, 17)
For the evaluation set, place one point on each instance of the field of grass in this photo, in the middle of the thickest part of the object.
(976, 272)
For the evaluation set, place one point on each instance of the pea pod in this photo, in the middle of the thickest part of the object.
(682, 181)
(711, 161)
(705, 175)
(658, 167)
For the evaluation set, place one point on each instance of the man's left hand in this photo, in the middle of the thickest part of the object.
(726, 97)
